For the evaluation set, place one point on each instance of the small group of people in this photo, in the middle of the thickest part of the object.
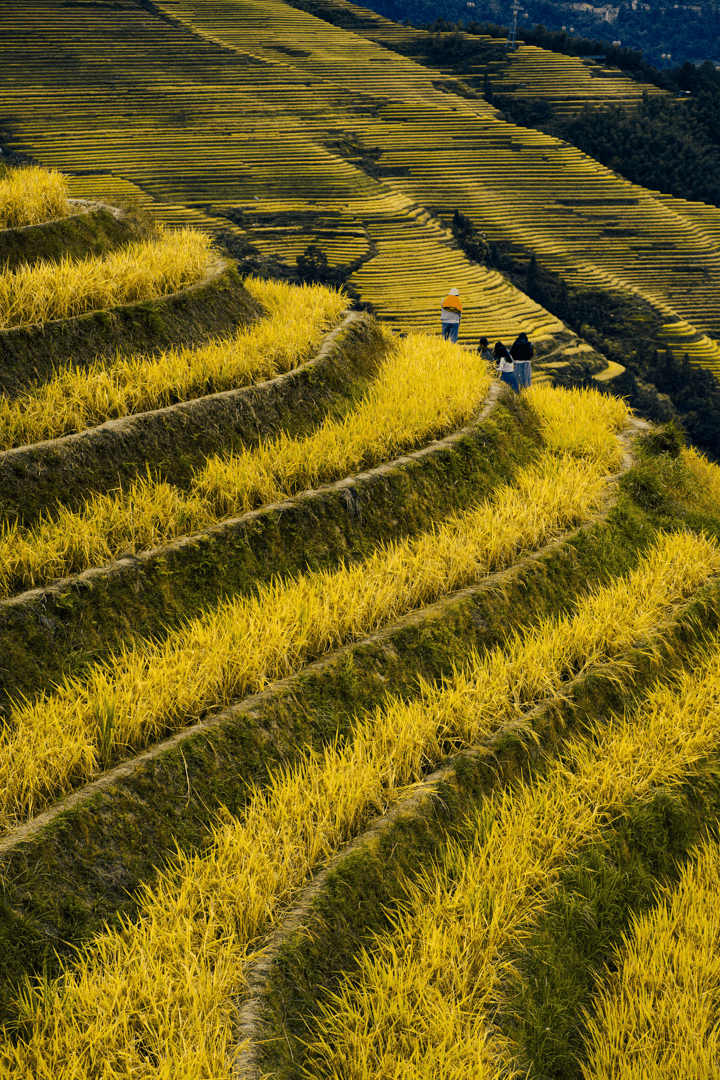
(513, 364)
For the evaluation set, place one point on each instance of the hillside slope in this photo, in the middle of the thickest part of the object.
(290, 128)
(288, 603)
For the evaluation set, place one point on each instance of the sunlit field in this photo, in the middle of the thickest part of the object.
(31, 195)
(149, 268)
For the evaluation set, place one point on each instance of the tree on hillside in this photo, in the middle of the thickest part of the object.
(312, 265)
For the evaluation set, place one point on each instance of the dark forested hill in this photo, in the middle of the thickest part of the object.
(687, 33)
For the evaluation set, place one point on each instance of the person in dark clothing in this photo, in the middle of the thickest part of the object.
(485, 350)
(522, 353)
(506, 366)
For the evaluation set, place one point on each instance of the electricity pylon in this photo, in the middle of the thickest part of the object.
(512, 36)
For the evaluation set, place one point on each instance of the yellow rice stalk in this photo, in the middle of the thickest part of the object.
(31, 195)
(297, 318)
(581, 421)
(428, 388)
(659, 1015)
(51, 744)
(706, 492)
(423, 1000)
(423, 389)
(149, 268)
(332, 793)
(141, 995)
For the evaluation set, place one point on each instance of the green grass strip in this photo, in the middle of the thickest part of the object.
(657, 1014)
(598, 896)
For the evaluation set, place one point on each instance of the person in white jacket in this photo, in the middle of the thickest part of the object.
(506, 366)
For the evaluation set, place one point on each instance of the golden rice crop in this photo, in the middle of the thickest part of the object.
(31, 195)
(423, 1001)
(427, 388)
(153, 998)
(658, 1015)
(423, 389)
(62, 290)
(245, 643)
(582, 421)
(706, 477)
(296, 320)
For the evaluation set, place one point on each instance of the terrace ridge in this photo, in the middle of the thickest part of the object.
(102, 457)
(30, 355)
(496, 760)
(94, 228)
(252, 704)
(84, 206)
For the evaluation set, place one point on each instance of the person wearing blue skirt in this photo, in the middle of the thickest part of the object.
(505, 366)
(522, 353)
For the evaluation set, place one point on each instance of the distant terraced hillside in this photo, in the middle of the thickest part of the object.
(569, 82)
(307, 132)
(327, 656)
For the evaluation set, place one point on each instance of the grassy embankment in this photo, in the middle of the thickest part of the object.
(464, 996)
(296, 319)
(165, 415)
(567, 488)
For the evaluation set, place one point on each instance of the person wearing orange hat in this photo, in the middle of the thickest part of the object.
(450, 315)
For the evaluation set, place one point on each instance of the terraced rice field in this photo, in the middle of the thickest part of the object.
(320, 791)
(568, 82)
(73, 400)
(413, 255)
(427, 994)
(424, 389)
(667, 974)
(32, 195)
(406, 674)
(255, 109)
(291, 621)
(589, 226)
(161, 993)
(48, 291)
